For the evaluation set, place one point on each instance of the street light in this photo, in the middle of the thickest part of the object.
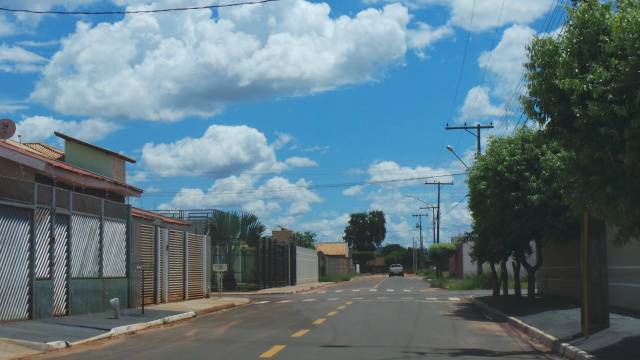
(450, 148)
(422, 201)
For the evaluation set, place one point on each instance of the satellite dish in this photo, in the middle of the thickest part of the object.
(7, 129)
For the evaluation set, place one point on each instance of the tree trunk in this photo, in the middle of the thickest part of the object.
(531, 270)
(495, 284)
(505, 278)
(595, 305)
(516, 277)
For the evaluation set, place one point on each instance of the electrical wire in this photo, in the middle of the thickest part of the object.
(126, 12)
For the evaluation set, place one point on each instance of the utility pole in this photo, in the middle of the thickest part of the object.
(477, 135)
(466, 128)
(421, 243)
(439, 185)
(433, 220)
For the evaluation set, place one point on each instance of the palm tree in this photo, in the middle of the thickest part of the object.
(229, 233)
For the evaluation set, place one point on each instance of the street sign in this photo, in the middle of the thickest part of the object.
(219, 267)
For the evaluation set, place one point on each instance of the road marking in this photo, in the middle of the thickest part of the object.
(339, 290)
(349, 302)
(284, 301)
(309, 300)
(432, 299)
(300, 333)
(356, 290)
(274, 350)
(378, 284)
(382, 297)
(332, 313)
(321, 292)
(390, 290)
(318, 322)
(358, 298)
(263, 302)
(333, 299)
(407, 298)
(373, 289)
(454, 299)
(407, 290)
(341, 307)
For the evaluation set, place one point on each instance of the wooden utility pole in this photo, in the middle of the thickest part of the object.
(439, 185)
(421, 243)
(466, 128)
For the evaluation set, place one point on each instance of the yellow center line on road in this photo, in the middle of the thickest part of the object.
(378, 284)
(349, 302)
(341, 307)
(274, 350)
(332, 313)
(300, 333)
(318, 322)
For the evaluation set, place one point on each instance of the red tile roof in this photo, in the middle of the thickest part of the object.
(69, 168)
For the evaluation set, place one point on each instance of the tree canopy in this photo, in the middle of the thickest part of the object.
(306, 239)
(515, 199)
(583, 88)
(439, 254)
(365, 231)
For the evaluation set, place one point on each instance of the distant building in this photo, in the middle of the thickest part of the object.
(337, 258)
(283, 235)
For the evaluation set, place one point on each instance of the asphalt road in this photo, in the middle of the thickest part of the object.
(368, 318)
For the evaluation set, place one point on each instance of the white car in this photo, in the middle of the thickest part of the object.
(396, 270)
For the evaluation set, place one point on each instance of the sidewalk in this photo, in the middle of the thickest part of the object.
(558, 328)
(27, 338)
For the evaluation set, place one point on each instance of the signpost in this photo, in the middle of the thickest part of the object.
(220, 269)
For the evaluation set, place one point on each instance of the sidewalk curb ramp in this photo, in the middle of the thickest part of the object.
(567, 350)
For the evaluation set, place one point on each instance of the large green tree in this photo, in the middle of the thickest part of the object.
(365, 231)
(229, 232)
(305, 239)
(515, 200)
(583, 87)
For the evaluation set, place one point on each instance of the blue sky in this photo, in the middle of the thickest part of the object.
(301, 112)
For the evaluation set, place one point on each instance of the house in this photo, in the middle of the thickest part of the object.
(337, 258)
(89, 245)
(71, 170)
(283, 235)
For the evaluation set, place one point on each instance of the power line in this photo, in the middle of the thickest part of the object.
(126, 12)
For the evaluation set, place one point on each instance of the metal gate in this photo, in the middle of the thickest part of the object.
(176, 265)
(60, 268)
(14, 264)
(147, 261)
(195, 266)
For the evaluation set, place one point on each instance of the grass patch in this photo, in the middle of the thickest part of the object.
(470, 283)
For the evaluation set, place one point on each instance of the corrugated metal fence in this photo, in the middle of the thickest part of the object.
(43, 229)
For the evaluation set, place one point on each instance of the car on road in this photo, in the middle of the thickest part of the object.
(396, 270)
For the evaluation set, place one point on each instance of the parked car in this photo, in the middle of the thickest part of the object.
(396, 270)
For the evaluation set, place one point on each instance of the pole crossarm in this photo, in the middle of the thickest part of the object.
(478, 127)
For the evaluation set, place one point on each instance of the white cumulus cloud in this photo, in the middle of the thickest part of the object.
(40, 128)
(14, 59)
(161, 67)
(221, 151)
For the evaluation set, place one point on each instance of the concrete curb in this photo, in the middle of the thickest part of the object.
(122, 330)
(567, 350)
